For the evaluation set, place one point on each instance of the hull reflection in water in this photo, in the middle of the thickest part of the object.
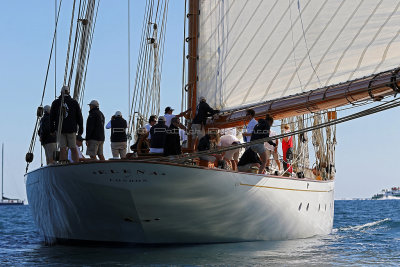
(144, 202)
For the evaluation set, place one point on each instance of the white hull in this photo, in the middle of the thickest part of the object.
(142, 202)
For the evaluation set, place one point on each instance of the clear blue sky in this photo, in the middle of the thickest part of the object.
(366, 157)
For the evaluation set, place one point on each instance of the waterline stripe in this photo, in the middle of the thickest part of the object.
(281, 188)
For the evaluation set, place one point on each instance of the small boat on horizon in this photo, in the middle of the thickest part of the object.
(5, 200)
(393, 193)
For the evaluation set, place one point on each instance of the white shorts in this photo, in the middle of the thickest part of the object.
(49, 151)
(118, 149)
(94, 148)
(232, 154)
(68, 140)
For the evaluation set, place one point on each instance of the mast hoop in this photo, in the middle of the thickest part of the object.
(192, 57)
(370, 86)
(188, 85)
(192, 14)
(326, 90)
(270, 105)
(308, 101)
(347, 96)
(393, 81)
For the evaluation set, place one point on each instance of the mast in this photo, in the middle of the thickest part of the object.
(193, 17)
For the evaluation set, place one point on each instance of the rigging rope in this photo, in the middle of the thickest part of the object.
(29, 155)
(305, 41)
(69, 43)
(146, 89)
(81, 69)
(129, 65)
(55, 49)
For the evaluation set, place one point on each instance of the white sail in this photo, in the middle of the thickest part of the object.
(253, 51)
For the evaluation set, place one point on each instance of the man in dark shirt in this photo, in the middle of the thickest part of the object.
(95, 131)
(48, 140)
(261, 131)
(157, 136)
(248, 161)
(172, 144)
(72, 123)
(203, 111)
(207, 142)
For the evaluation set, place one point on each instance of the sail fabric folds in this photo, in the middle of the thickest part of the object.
(255, 50)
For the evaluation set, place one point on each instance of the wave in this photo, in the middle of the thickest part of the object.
(365, 226)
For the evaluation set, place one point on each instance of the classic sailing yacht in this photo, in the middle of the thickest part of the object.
(295, 60)
(5, 200)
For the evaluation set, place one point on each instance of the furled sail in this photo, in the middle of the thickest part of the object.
(253, 51)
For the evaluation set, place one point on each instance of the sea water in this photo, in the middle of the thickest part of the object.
(365, 232)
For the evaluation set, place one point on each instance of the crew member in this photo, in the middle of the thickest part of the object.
(48, 140)
(79, 144)
(95, 131)
(203, 110)
(272, 150)
(118, 126)
(250, 126)
(172, 144)
(287, 149)
(207, 142)
(141, 146)
(261, 131)
(152, 122)
(72, 123)
(168, 116)
(233, 154)
(157, 135)
(249, 161)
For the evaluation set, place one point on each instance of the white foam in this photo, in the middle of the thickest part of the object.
(388, 197)
(367, 225)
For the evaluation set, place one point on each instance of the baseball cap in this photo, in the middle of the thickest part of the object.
(168, 109)
(202, 98)
(47, 108)
(118, 114)
(65, 89)
(161, 118)
(94, 103)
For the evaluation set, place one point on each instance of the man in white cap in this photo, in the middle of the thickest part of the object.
(95, 131)
(203, 110)
(157, 136)
(118, 126)
(72, 123)
(49, 141)
(168, 116)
